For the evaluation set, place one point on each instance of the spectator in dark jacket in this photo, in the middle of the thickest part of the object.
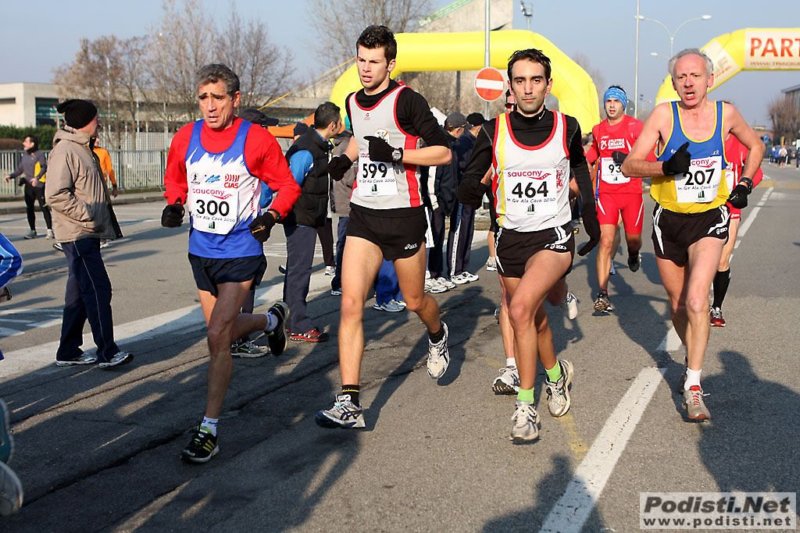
(32, 166)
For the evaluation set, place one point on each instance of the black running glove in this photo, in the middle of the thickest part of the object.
(470, 192)
(261, 227)
(618, 157)
(678, 163)
(172, 216)
(738, 197)
(592, 227)
(338, 167)
(381, 151)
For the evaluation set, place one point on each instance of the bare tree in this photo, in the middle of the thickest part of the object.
(264, 69)
(338, 24)
(595, 74)
(109, 72)
(178, 47)
(785, 117)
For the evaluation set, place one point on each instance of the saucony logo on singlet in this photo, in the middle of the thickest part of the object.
(554, 246)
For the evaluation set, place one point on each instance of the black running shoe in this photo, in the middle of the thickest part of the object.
(634, 262)
(276, 339)
(201, 448)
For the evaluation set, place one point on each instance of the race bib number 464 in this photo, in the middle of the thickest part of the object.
(531, 192)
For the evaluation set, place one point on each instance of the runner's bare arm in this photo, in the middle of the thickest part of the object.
(637, 164)
(428, 156)
(748, 137)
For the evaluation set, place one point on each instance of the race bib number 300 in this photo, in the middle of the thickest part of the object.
(700, 183)
(531, 192)
(214, 209)
(375, 178)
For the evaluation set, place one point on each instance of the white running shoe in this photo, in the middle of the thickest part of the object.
(344, 414)
(446, 283)
(507, 382)
(558, 400)
(392, 306)
(570, 306)
(330, 271)
(491, 265)
(438, 356)
(459, 279)
(525, 423)
(433, 286)
(470, 276)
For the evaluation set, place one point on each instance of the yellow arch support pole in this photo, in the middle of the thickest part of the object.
(745, 49)
(435, 52)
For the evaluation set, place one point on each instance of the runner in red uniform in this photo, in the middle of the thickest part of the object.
(736, 155)
(617, 195)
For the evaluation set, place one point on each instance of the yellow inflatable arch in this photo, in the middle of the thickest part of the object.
(746, 49)
(427, 52)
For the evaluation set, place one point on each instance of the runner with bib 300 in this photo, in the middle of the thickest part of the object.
(690, 220)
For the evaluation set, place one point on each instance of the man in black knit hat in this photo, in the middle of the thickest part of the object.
(82, 216)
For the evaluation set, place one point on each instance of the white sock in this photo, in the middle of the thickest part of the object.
(210, 424)
(272, 322)
(511, 361)
(692, 378)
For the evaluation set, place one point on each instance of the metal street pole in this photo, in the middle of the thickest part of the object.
(636, 66)
(487, 60)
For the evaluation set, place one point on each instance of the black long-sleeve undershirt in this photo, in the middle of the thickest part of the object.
(532, 131)
(413, 114)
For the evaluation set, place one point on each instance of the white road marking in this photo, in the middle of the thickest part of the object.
(574, 507)
(571, 511)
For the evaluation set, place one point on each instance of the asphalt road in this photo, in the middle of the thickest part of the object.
(99, 450)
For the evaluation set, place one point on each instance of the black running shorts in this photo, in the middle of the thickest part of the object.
(514, 248)
(673, 232)
(399, 233)
(208, 273)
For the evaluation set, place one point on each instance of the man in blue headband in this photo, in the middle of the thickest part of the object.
(617, 196)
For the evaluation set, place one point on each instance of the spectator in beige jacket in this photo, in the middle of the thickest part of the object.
(82, 216)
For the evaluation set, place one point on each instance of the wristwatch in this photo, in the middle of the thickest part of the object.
(397, 155)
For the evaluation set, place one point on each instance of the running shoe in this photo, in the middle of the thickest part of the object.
(248, 350)
(525, 423)
(344, 414)
(446, 283)
(105, 243)
(392, 306)
(438, 356)
(330, 271)
(507, 382)
(470, 276)
(491, 265)
(84, 359)
(57, 246)
(312, 335)
(31, 234)
(612, 271)
(433, 286)
(634, 262)
(558, 400)
(121, 358)
(570, 306)
(336, 292)
(50, 234)
(201, 448)
(5, 294)
(602, 304)
(459, 279)
(6, 439)
(276, 339)
(717, 320)
(11, 493)
(695, 406)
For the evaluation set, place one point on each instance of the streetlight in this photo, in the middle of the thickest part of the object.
(527, 12)
(639, 17)
(673, 33)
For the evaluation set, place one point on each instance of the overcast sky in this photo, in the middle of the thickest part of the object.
(37, 38)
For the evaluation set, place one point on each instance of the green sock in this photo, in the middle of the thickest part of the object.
(525, 395)
(553, 374)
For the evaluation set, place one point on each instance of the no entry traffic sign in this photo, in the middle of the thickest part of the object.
(490, 84)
